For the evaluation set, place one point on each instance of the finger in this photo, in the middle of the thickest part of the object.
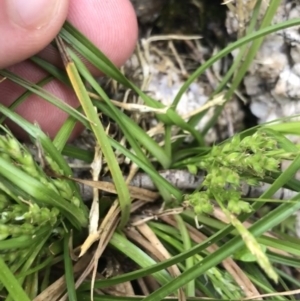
(28, 26)
(34, 109)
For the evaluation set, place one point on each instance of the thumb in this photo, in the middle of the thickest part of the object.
(26, 27)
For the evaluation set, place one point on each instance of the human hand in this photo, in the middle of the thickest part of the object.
(27, 27)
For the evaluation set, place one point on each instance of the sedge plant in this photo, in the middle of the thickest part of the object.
(42, 213)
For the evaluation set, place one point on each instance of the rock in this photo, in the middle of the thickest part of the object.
(273, 81)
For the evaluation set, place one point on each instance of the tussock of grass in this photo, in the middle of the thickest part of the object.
(205, 243)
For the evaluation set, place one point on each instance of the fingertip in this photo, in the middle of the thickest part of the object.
(28, 26)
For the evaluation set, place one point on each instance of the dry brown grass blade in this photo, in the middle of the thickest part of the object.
(133, 107)
(110, 224)
(103, 242)
(236, 272)
(243, 9)
(154, 248)
(107, 232)
(178, 59)
(111, 216)
(288, 293)
(143, 286)
(148, 234)
(155, 215)
(96, 167)
(218, 100)
(56, 289)
(135, 192)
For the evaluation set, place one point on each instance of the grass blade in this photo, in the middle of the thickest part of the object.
(99, 132)
(11, 283)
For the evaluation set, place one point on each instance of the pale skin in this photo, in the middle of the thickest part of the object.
(110, 24)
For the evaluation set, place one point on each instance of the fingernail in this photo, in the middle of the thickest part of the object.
(32, 14)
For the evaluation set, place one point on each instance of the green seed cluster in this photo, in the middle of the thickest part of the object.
(20, 215)
(16, 230)
(61, 185)
(229, 165)
(17, 154)
(35, 215)
(13, 255)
